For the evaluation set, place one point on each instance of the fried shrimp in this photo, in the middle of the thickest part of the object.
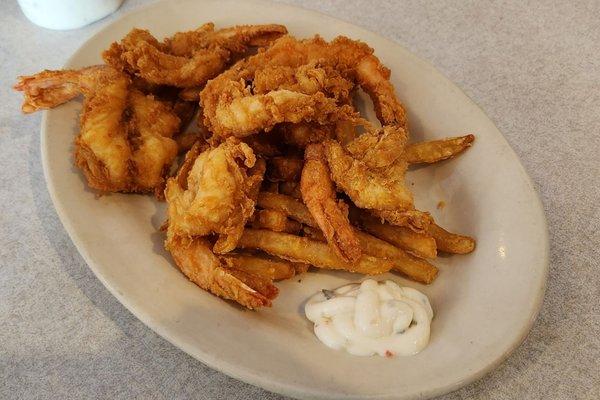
(330, 214)
(215, 192)
(188, 59)
(371, 172)
(195, 259)
(298, 81)
(125, 141)
(236, 112)
(368, 188)
(308, 79)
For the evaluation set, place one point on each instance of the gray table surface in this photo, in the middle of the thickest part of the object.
(534, 67)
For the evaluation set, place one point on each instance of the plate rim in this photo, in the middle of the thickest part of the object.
(247, 376)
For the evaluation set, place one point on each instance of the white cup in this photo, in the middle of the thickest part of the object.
(67, 14)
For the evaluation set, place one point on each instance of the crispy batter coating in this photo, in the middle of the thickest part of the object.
(292, 81)
(215, 192)
(330, 214)
(373, 176)
(188, 59)
(368, 187)
(308, 79)
(232, 110)
(302, 134)
(125, 141)
(195, 259)
(379, 149)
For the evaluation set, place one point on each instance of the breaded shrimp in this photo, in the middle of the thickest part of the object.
(215, 192)
(298, 81)
(371, 173)
(125, 142)
(195, 259)
(188, 59)
(330, 214)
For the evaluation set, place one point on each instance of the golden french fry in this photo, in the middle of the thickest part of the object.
(419, 244)
(451, 242)
(437, 150)
(412, 267)
(276, 221)
(284, 169)
(263, 266)
(301, 249)
(313, 233)
(300, 267)
(286, 204)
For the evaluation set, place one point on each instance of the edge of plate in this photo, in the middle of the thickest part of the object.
(247, 376)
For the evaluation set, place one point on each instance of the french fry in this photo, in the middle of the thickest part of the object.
(301, 249)
(437, 150)
(412, 267)
(313, 233)
(419, 244)
(284, 169)
(276, 221)
(300, 267)
(451, 242)
(265, 267)
(288, 205)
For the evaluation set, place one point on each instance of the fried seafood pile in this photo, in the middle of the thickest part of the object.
(282, 173)
(137, 106)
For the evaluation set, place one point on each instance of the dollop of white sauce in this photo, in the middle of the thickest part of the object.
(372, 318)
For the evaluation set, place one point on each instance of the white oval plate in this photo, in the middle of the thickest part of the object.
(485, 303)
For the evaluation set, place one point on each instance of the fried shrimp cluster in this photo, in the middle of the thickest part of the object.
(136, 107)
(281, 173)
(188, 59)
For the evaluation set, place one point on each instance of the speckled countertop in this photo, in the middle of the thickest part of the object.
(534, 67)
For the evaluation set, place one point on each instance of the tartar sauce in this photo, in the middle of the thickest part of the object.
(371, 318)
